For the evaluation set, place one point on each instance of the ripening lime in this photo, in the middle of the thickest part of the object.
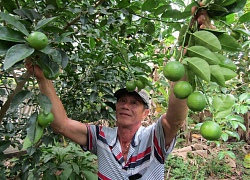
(139, 84)
(182, 89)
(130, 85)
(45, 119)
(196, 101)
(49, 75)
(174, 70)
(236, 35)
(37, 40)
(210, 130)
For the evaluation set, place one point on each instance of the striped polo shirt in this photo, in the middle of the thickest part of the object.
(145, 159)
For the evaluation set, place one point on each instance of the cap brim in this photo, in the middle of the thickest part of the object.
(123, 91)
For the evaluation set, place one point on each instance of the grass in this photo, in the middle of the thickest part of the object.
(197, 167)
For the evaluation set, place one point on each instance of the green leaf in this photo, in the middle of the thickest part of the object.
(93, 96)
(228, 43)
(4, 46)
(53, 53)
(91, 43)
(234, 124)
(17, 53)
(228, 73)
(227, 2)
(42, 23)
(11, 20)
(4, 144)
(224, 136)
(9, 5)
(244, 96)
(226, 62)
(222, 114)
(230, 154)
(31, 14)
(8, 34)
(208, 40)
(89, 175)
(161, 9)
(123, 4)
(19, 98)
(203, 53)
(199, 67)
(26, 143)
(173, 13)
(216, 75)
(233, 134)
(223, 102)
(244, 18)
(44, 103)
(150, 28)
(34, 130)
(149, 5)
(65, 58)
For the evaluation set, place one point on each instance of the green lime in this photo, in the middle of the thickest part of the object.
(182, 89)
(196, 101)
(174, 70)
(37, 40)
(49, 75)
(210, 130)
(139, 84)
(45, 119)
(236, 35)
(130, 85)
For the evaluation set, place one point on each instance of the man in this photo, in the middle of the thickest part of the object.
(128, 151)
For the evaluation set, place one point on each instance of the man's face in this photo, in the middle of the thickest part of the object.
(130, 110)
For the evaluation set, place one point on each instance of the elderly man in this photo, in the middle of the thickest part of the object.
(128, 151)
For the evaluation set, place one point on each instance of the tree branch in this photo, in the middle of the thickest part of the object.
(19, 87)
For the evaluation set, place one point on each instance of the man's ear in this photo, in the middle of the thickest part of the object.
(145, 113)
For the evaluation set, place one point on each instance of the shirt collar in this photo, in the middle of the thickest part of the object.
(112, 138)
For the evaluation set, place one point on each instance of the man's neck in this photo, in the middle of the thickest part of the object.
(125, 135)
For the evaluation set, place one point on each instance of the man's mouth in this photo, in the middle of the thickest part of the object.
(124, 114)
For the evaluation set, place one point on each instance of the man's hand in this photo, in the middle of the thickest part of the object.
(202, 18)
(34, 69)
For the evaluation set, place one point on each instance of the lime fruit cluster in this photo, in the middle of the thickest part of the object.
(174, 70)
(182, 89)
(210, 130)
(132, 84)
(37, 40)
(45, 119)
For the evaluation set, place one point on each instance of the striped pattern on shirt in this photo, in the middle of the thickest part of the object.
(145, 159)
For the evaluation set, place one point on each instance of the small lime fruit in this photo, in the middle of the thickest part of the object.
(139, 84)
(236, 35)
(196, 101)
(45, 119)
(174, 70)
(210, 130)
(130, 85)
(37, 40)
(182, 89)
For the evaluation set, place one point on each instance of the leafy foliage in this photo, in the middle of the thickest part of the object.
(97, 46)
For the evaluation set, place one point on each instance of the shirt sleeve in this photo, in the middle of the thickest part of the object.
(92, 132)
(160, 139)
